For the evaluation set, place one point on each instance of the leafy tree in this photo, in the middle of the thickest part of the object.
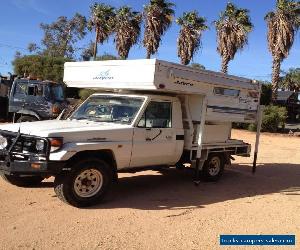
(106, 57)
(88, 52)
(102, 21)
(282, 26)
(61, 35)
(232, 28)
(33, 47)
(266, 93)
(45, 67)
(127, 29)
(189, 39)
(18, 54)
(158, 15)
(291, 80)
(197, 66)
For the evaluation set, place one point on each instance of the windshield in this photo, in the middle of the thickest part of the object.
(107, 108)
(58, 93)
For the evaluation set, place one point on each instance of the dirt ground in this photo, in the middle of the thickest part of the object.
(151, 210)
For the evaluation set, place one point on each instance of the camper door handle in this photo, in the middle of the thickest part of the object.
(169, 137)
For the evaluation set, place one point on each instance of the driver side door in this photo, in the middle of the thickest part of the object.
(154, 139)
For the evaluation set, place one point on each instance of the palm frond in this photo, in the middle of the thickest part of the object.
(158, 15)
(189, 40)
(127, 29)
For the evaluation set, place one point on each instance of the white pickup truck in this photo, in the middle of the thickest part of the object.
(131, 127)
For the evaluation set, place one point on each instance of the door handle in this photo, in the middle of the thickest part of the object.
(151, 139)
(169, 137)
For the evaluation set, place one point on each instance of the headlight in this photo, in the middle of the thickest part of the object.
(40, 145)
(3, 142)
(56, 143)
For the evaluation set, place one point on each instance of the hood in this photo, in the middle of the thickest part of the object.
(70, 130)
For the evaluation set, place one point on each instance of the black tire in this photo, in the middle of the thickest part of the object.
(22, 181)
(96, 169)
(27, 118)
(213, 167)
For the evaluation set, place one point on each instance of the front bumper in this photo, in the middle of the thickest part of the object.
(31, 167)
(19, 158)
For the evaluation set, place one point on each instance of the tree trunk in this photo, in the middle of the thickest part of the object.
(225, 61)
(148, 55)
(95, 46)
(275, 78)
(66, 42)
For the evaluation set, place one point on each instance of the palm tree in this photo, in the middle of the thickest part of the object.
(127, 29)
(282, 26)
(290, 80)
(158, 15)
(189, 39)
(102, 21)
(232, 28)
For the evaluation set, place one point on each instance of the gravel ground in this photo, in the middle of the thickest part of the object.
(151, 210)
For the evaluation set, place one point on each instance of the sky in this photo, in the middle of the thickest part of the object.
(20, 25)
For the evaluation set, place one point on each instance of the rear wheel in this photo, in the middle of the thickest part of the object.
(213, 167)
(27, 118)
(22, 181)
(85, 185)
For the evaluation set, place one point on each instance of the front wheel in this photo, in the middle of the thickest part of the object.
(85, 185)
(22, 181)
(213, 167)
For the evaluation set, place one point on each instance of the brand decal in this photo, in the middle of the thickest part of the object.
(104, 75)
(184, 83)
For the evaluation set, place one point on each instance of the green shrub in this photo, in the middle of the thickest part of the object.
(239, 125)
(252, 127)
(266, 94)
(273, 118)
(85, 93)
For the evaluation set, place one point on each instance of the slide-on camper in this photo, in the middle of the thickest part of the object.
(148, 113)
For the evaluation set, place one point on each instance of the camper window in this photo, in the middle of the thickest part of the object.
(157, 115)
(226, 92)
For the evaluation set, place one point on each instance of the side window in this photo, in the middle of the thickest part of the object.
(35, 90)
(31, 90)
(157, 115)
(39, 90)
(20, 88)
(226, 92)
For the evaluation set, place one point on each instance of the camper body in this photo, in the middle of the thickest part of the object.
(149, 114)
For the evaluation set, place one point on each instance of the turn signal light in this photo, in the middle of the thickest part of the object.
(55, 109)
(35, 165)
(56, 143)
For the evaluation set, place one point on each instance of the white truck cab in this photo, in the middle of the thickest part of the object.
(148, 114)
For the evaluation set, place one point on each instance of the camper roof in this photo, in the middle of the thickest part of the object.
(148, 74)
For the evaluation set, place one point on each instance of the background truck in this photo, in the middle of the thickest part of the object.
(290, 100)
(32, 100)
(5, 86)
(150, 114)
